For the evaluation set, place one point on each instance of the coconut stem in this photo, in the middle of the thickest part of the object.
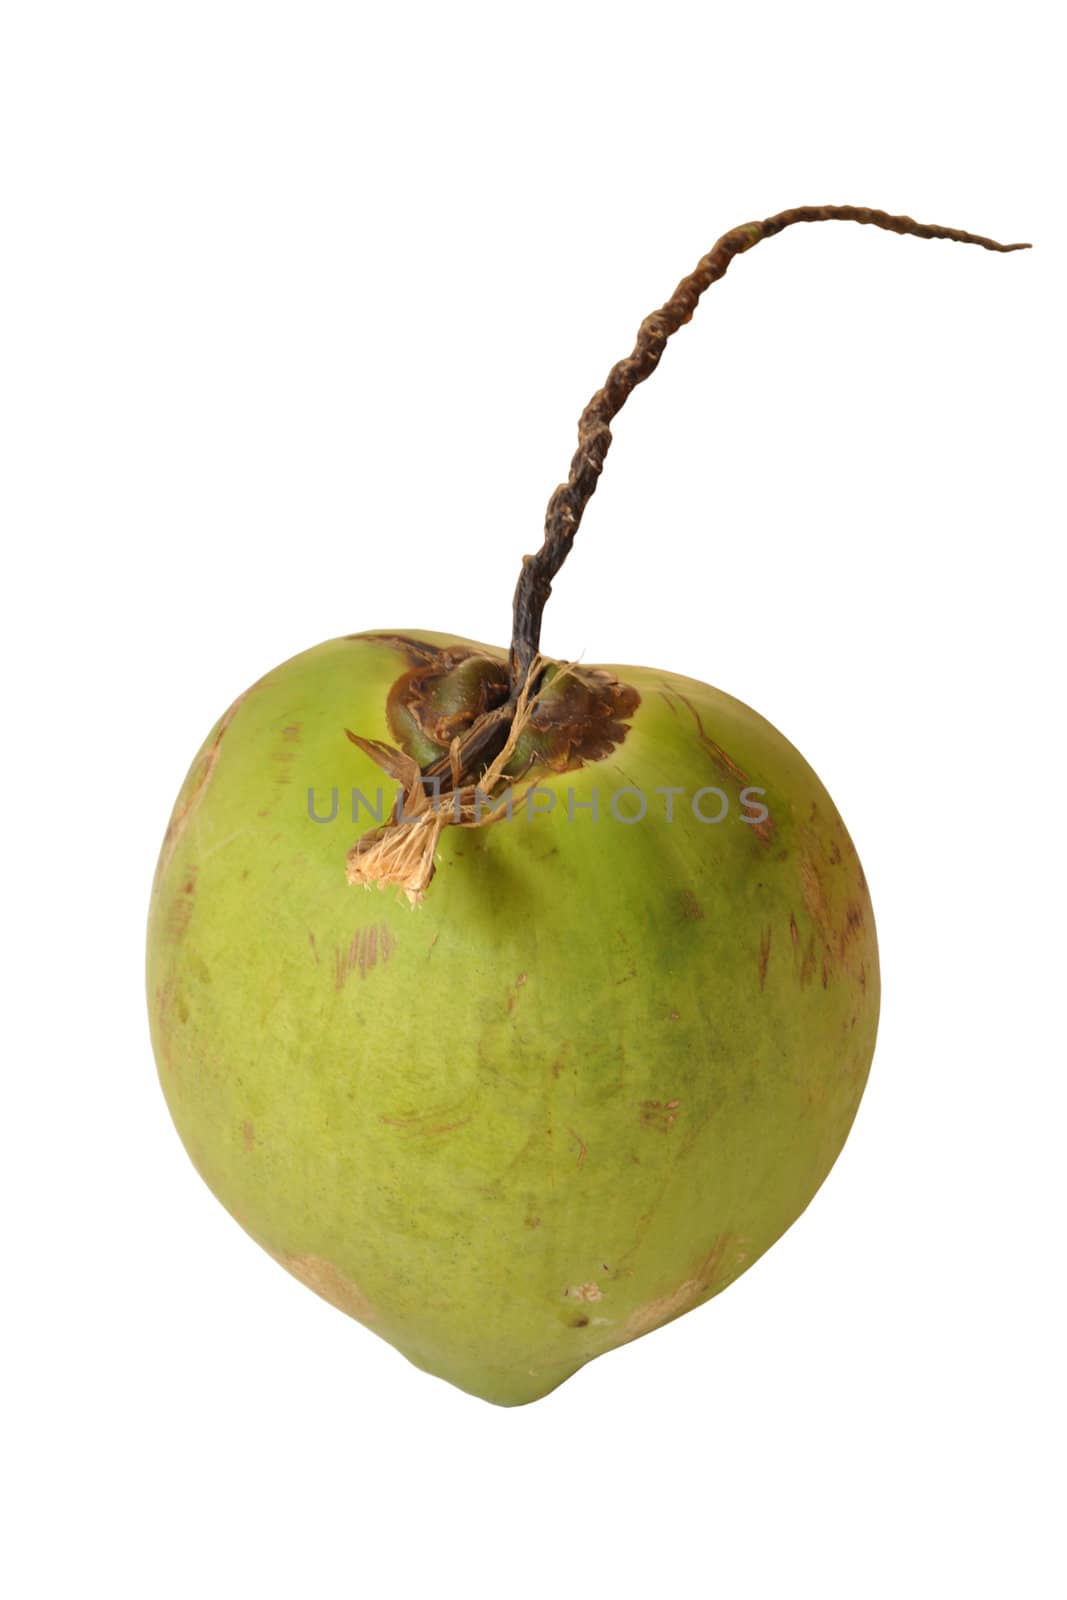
(570, 499)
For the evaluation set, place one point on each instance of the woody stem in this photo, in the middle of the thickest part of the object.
(570, 499)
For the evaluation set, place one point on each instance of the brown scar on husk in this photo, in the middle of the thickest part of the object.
(330, 1283)
(368, 946)
(814, 892)
(248, 1135)
(837, 907)
(195, 786)
(656, 1115)
(164, 999)
(583, 1148)
(764, 955)
(691, 909)
(807, 966)
(700, 1283)
(180, 914)
(416, 650)
(421, 1124)
(726, 765)
(281, 761)
(854, 923)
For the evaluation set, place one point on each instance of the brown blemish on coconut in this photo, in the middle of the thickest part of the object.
(696, 1287)
(763, 830)
(248, 1135)
(421, 1124)
(853, 926)
(368, 947)
(529, 1143)
(807, 966)
(725, 763)
(195, 786)
(329, 1282)
(314, 946)
(691, 909)
(656, 1115)
(164, 998)
(814, 892)
(181, 909)
(531, 1222)
(583, 1149)
(590, 1292)
(418, 652)
(513, 993)
(281, 761)
(727, 768)
(764, 955)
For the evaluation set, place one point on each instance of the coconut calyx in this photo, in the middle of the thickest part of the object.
(463, 743)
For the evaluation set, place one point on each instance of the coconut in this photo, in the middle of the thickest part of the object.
(515, 1006)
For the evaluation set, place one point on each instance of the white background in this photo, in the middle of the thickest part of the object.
(300, 306)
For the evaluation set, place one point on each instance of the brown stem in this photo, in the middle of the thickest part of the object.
(594, 432)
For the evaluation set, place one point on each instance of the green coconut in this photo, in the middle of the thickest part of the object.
(515, 1007)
